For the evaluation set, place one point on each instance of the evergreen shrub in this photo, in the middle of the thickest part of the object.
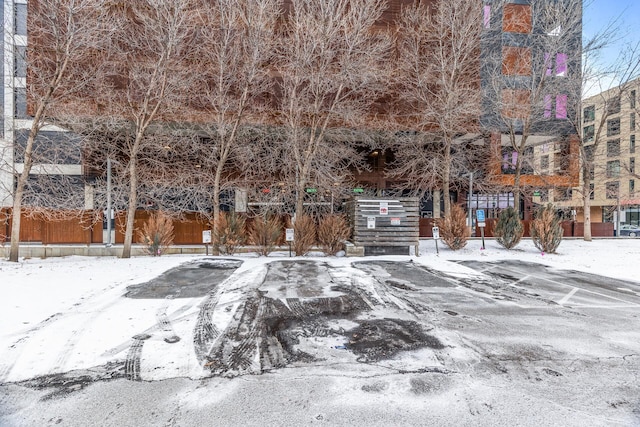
(509, 228)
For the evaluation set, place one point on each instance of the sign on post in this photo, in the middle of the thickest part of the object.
(289, 234)
(480, 218)
(481, 223)
(206, 239)
(436, 235)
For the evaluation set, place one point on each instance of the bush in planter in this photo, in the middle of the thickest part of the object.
(229, 233)
(157, 233)
(509, 228)
(304, 232)
(453, 229)
(546, 230)
(265, 233)
(333, 230)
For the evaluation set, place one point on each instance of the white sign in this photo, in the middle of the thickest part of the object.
(395, 221)
(371, 222)
(289, 234)
(482, 224)
(206, 236)
(384, 208)
(436, 232)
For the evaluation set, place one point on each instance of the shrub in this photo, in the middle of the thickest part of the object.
(229, 233)
(304, 232)
(333, 230)
(546, 230)
(157, 233)
(453, 229)
(266, 233)
(509, 228)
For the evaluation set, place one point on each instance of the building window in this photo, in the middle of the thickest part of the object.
(544, 162)
(632, 165)
(632, 144)
(632, 99)
(613, 105)
(561, 106)
(589, 114)
(613, 169)
(561, 64)
(20, 105)
(592, 191)
(613, 189)
(588, 152)
(487, 16)
(20, 62)
(547, 106)
(613, 127)
(516, 61)
(588, 133)
(632, 122)
(592, 172)
(632, 186)
(20, 26)
(613, 148)
(516, 18)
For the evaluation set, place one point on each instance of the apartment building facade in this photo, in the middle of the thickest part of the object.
(614, 177)
(512, 56)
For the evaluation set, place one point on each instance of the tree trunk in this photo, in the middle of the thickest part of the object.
(133, 196)
(16, 212)
(586, 203)
(446, 181)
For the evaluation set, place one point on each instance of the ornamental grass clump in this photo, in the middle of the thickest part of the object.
(333, 230)
(157, 233)
(546, 230)
(509, 228)
(453, 229)
(304, 232)
(229, 233)
(265, 234)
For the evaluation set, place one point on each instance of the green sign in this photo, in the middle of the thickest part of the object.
(536, 193)
(358, 190)
(311, 190)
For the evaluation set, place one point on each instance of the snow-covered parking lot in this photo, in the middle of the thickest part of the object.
(474, 337)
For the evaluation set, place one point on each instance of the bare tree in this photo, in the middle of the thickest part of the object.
(235, 49)
(329, 72)
(63, 34)
(532, 85)
(437, 78)
(592, 124)
(150, 73)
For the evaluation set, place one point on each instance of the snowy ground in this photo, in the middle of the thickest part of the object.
(489, 350)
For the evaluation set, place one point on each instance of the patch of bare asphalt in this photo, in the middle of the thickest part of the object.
(300, 300)
(192, 280)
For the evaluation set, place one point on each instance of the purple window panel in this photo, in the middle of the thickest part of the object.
(547, 106)
(561, 64)
(505, 161)
(487, 16)
(547, 63)
(561, 107)
(514, 159)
